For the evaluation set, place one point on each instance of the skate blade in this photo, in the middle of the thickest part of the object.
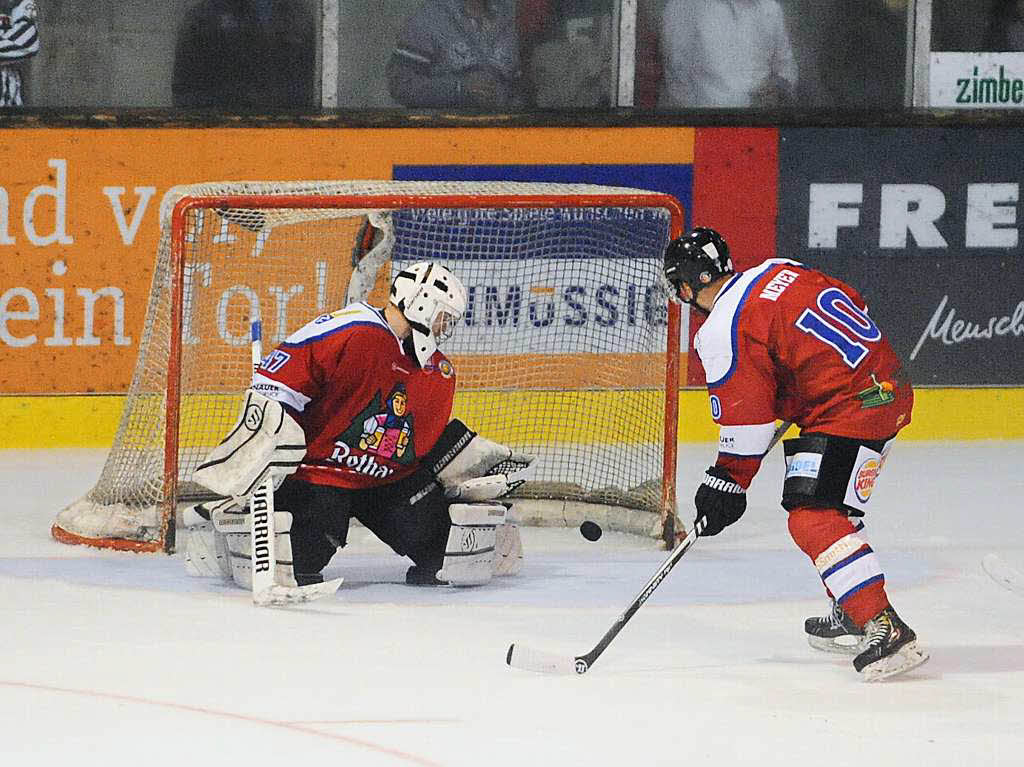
(849, 646)
(903, 660)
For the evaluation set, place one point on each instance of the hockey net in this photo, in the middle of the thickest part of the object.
(568, 349)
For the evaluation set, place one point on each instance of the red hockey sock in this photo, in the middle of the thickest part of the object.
(847, 565)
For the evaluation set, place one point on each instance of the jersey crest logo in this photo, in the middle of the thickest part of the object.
(876, 395)
(383, 429)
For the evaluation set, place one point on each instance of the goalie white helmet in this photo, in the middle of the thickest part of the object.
(433, 301)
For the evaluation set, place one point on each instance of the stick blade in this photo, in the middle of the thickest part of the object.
(1003, 574)
(282, 596)
(528, 659)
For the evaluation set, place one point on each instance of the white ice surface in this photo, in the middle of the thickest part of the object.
(121, 659)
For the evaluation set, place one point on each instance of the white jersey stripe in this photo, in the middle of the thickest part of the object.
(853, 574)
(354, 314)
(752, 439)
(715, 342)
(277, 391)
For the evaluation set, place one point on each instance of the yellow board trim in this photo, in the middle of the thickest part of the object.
(939, 414)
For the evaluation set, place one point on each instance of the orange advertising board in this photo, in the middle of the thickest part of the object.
(79, 217)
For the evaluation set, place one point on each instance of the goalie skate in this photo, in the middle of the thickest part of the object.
(835, 632)
(890, 648)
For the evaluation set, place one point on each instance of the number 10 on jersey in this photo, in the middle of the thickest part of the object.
(837, 321)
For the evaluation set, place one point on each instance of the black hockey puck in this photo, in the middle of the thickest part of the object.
(590, 530)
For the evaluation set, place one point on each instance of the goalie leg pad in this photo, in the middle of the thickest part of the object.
(508, 550)
(239, 548)
(206, 553)
(469, 556)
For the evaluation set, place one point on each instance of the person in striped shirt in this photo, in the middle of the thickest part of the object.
(19, 40)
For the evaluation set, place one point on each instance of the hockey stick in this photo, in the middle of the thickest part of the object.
(529, 659)
(265, 592)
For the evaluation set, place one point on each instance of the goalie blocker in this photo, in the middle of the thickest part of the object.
(468, 541)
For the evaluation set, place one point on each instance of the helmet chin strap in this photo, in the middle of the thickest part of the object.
(698, 307)
(416, 337)
(693, 302)
(419, 327)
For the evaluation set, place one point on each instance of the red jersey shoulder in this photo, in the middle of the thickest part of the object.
(789, 289)
(359, 325)
(748, 305)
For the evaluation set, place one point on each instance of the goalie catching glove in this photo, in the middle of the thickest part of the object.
(472, 468)
(265, 439)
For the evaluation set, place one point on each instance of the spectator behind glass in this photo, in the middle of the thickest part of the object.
(726, 53)
(572, 65)
(19, 40)
(539, 23)
(458, 53)
(862, 55)
(249, 54)
(1006, 28)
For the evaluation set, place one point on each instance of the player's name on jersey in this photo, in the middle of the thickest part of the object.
(778, 284)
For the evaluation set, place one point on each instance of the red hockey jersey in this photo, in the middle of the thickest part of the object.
(369, 412)
(787, 342)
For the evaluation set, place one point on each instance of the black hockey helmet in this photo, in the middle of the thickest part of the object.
(696, 259)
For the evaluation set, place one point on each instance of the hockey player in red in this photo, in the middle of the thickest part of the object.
(785, 342)
(354, 407)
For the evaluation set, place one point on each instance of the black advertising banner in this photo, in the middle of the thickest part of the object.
(926, 224)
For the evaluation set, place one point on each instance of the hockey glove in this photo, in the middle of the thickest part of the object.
(719, 500)
(472, 468)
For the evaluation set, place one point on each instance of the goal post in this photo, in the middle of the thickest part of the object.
(569, 348)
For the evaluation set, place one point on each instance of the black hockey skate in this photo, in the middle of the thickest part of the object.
(423, 576)
(890, 648)
(835, 632)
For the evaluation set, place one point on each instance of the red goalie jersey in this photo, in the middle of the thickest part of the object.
(790, 343)
(368, 410)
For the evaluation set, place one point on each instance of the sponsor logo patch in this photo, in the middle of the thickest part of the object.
(804, 465)
(865, 477)
(878, 394)
(444, 367)
(253, 419)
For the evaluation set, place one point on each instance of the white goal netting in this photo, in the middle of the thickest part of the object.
(564, 351)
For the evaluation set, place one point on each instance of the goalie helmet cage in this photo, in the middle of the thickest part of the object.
(569, 348)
